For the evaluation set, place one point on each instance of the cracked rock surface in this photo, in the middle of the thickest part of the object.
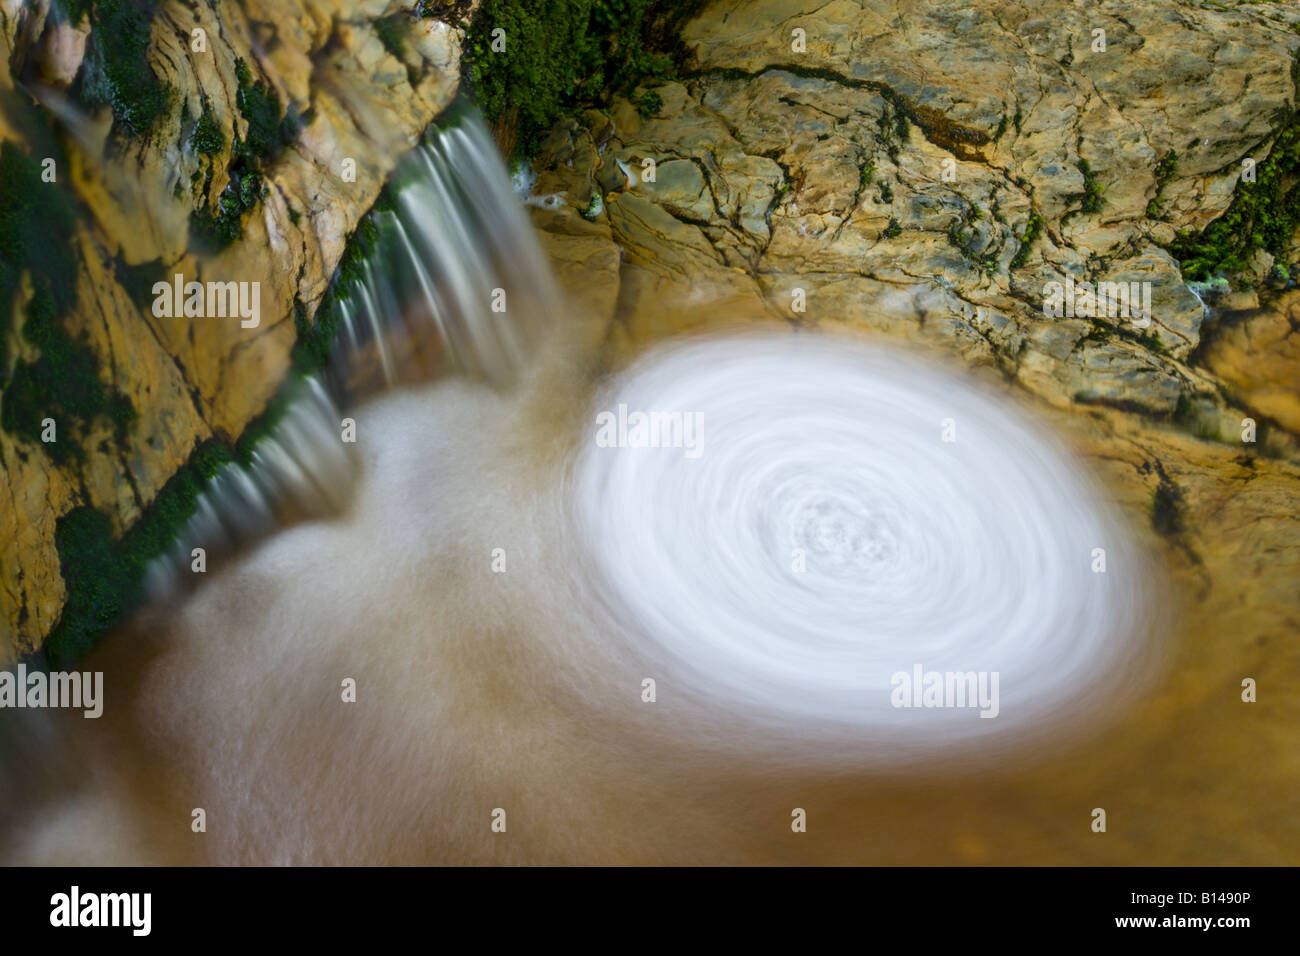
(947, 150)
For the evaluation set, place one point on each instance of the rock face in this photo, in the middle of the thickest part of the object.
(344, 89)
(942, 173)
(971, 156)
(1256, 353)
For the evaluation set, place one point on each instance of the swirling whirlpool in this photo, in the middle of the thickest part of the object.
(848, 514)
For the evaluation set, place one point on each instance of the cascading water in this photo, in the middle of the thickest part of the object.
(820, 540)
(454, 280)
(542, 611)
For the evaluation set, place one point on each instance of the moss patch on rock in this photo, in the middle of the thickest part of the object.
(35, 225)
(62, 382)
(268, 130)
(207, 138)
(392, 35)
(105, 577)
(588, 51)
(1165, 171)
(1264, 215)
(1033, 229)
(117, 71)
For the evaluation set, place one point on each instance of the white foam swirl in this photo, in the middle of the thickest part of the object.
(968, 555)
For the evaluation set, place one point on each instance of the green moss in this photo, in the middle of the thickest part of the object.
(888, 128)
(1090, 198)
(1033, 229)
(649, 105)
(896, 113)
(75, 10)
(315, 342)
(392, 34)
(1264, 215)
(62, 382)
(218, 228)
(589, 51)
(968, 242)
(260, 107)
(267, 132)
(315, 339)
(892, 230)
(266, 423)
(1216, 285)
(104, 577)
(1147, 339)
(361, 245)
(97, 584)
(448, 11)
(207, 137)
(1188, 416)
(117, 71)
(35, 228)
(1165, 171)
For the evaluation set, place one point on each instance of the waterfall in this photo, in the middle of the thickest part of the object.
(631, 608)
(453, 281)
(808, 530)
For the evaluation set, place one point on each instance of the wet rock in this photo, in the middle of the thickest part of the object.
(1257, 355)
(981, 153)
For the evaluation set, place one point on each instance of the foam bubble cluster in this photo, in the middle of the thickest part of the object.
(853, 512)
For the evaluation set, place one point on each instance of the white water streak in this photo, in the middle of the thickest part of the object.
(970, 555)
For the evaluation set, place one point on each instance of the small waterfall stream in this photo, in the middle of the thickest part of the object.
(453, 281)
(819, 529)
(826, 556)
